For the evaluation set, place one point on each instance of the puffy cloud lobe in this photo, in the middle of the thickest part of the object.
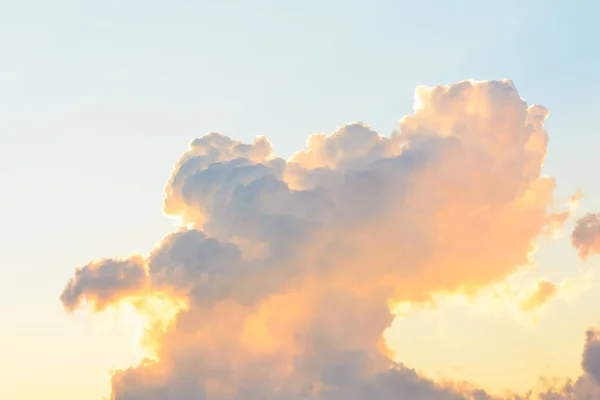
(591, 355)
(288, 267)
(586, 235)
(203, 172)
(543, 292)
(187, 259)
(354, 143)
(104, 282)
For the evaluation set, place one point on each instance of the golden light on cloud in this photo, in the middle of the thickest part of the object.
(535, 298)
(284, 275)
(146, 315)
(153, 313)
(574, 200)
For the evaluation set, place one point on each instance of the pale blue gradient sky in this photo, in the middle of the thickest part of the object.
(98, 99)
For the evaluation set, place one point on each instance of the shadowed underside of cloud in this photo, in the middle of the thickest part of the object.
(105, 281)
(288, 267)
(586, 235)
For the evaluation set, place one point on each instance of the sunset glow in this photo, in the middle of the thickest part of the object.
(314, 200)
(281, 263)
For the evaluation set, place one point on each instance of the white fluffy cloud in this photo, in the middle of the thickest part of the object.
(288, 267)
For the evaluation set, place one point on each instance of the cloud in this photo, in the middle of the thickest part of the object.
(591, 355)
(103, 282)
(543, 292)
(288, 268)
(587, 385)
(586, 235)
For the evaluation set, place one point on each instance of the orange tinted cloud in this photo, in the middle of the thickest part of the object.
(543, 292)
(451, 202)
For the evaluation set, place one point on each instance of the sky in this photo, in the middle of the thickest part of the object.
(100, 100)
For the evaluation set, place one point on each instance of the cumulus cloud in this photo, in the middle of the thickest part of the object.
(586, 235)
(543, 292)
(288, 267)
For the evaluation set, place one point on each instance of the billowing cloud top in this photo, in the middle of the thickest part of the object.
(288, 267)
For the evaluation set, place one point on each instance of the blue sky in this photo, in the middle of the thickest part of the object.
(98, 100)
